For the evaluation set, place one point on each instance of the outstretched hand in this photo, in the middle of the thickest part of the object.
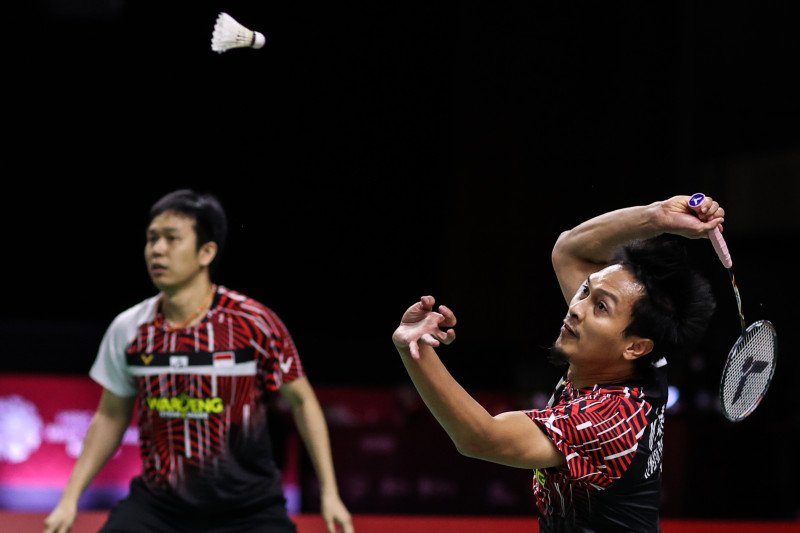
(420, 323)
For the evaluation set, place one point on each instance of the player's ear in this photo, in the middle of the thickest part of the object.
(637, 347)
(207, 253)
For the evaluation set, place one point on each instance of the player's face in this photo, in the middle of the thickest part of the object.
(171, 253)
(599, 312)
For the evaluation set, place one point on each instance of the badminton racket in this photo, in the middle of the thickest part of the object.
(750, 364)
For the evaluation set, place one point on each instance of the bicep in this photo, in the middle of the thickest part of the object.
(115, 407)
(516, 440)
(109, 424)
(297, 391)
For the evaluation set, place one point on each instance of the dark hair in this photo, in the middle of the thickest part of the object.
(210, 221)
(678, 302)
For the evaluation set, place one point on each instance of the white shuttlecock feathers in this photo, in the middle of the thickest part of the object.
(228, 33)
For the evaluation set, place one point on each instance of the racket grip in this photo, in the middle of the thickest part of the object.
(715, 235)
(720, 247)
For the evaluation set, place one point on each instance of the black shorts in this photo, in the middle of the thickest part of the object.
(141, 512)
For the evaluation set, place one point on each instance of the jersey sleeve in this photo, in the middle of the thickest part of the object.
(598, 437)
(284, 365)
(110, 368)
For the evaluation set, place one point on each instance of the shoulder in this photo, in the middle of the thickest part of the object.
(623, 399)
(125, 326)
(236, 302)
(605, 403)
(136, 315)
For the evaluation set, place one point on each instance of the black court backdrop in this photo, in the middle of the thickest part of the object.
(373, 153)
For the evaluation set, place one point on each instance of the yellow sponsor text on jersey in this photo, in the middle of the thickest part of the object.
(184, 406)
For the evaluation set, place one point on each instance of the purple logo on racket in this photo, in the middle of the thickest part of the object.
(696, 199)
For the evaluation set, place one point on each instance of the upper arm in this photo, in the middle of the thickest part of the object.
(115, 406)
(570, 269)
(306, 410)
(297, 391)
(516, 440)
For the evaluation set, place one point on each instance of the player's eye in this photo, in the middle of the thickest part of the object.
(584, 290)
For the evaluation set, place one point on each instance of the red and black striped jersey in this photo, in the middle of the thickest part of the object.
(612, 439)
(202, 396)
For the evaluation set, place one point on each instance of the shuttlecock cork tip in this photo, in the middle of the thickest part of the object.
(259, 40)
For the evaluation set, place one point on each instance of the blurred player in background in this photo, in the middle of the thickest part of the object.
(201, 362)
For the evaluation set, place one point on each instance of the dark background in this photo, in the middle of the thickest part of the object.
(373, 152)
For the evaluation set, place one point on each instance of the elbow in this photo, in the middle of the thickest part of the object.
(474, 447)
(470, 452)
(464, 450)
(558, 252)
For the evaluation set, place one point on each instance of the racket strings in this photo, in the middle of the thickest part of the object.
(749, 370)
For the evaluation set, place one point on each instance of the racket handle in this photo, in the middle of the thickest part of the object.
(715, 235)
(720, 247)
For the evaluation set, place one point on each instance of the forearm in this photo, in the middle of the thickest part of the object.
(466, 422)
(310, 422)
(590, 246)
(101, 441)
(596, 239)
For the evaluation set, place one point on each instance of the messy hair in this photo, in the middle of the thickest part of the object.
(678, 302)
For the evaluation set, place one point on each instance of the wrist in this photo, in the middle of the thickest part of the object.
(69, 500)
(328, 492)
(400, 344)
(652, 223)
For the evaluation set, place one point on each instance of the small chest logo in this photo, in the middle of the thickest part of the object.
(178, 361)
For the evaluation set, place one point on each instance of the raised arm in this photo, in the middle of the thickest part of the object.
(110, 421)
(589, 246)
(511, 438)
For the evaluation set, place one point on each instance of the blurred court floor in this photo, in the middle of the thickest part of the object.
(90, 522)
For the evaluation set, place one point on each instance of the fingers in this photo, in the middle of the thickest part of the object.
(418, 310)
(421, 325)
(449, 336)
(712, 214)
(413, 347)
(709, 210)
(52, 525)
(708, 213)
(430, 339)
(449, 317)
(439, 337)
(346, 526)
(446, 319)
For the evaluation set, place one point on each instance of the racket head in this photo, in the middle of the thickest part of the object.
(748, 370)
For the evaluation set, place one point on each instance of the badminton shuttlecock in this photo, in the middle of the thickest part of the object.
(228, 33)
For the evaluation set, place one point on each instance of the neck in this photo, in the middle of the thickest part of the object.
(583, 377)
(185, 306)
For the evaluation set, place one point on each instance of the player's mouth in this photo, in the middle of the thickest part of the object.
(567, 331)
